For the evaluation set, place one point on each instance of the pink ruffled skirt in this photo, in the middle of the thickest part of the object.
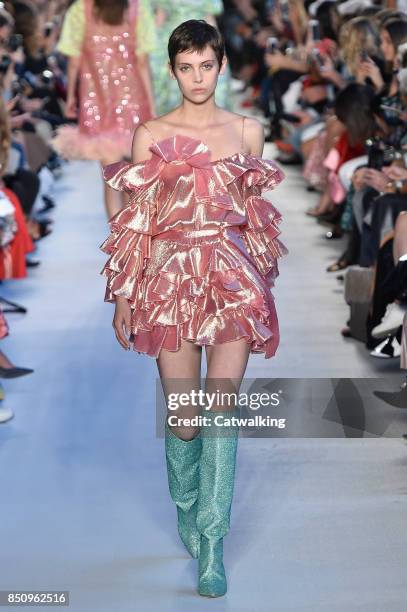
(202, 286)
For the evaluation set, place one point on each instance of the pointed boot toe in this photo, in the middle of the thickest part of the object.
(212, 577)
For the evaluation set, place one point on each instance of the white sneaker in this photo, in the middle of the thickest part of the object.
(5, 414)
(387, 349)
(393, 318)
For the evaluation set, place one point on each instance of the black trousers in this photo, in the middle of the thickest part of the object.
(26, 185)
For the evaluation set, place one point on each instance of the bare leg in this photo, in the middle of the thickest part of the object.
(226, 367)
(324, 204)
(307, 147)
(180, 372)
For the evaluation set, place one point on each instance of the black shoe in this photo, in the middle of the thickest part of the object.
(290, 160)
(32, 263)
(14, 372)
(48, 204)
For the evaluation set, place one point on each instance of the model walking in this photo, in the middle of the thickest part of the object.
(192, 260)
(108, 43)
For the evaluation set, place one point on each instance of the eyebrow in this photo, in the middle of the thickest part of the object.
(204, 62)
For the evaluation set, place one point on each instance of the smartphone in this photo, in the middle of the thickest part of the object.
(315, 32)
(272, 44)
(285, 11)
(364, 56)
(318, 58)
(14, 42)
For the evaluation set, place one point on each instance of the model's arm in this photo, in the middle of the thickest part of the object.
(70, 44)
(122, 314)
(145, 73)
(142, 140)
(254, 136)
(72, 73)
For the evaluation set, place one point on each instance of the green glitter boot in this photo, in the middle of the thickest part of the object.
(183, 470)
(216, 484)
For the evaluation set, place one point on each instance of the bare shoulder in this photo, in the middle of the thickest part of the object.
(142, 140)
(254, 135)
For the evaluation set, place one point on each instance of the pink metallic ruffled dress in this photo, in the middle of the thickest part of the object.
(195, 251)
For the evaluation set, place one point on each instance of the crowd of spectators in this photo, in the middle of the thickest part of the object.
(329, 79)
(32, 81)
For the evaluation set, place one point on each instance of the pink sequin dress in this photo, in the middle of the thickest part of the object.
(112, 96)
(195, 250)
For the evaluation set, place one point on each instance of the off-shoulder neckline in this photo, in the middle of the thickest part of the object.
(199, 141)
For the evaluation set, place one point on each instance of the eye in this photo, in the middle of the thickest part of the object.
(184, 68)
(208, 66)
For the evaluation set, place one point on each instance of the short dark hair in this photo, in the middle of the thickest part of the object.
(397, 30)
(195, 34)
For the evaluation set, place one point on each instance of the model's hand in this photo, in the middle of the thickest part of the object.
(121, 321)
(70, 109)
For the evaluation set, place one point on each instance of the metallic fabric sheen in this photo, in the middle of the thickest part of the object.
(195, 251)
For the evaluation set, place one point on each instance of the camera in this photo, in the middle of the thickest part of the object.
(379, 154)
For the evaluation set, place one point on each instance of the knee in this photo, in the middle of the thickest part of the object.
(185, 433)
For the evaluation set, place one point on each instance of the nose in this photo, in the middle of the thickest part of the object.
(197, 75)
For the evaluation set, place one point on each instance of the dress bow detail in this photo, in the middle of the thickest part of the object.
(180, 150)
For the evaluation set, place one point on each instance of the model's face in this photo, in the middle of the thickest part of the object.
(197, 74)
(387, 46)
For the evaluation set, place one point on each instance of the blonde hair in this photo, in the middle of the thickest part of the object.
(357, 35)
(300, 17)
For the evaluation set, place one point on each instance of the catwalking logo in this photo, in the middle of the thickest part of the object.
(221, 420)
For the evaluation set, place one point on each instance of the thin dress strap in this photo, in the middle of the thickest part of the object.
(242, 141)
(149, 131)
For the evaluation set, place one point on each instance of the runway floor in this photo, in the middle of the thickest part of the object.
(317, 525)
